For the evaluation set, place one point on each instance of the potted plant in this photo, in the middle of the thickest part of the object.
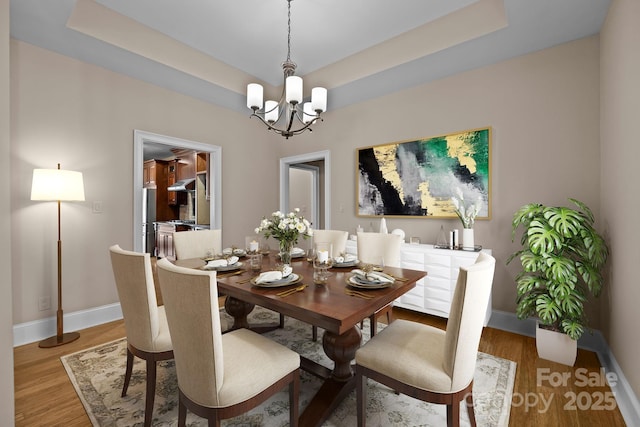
(561, 257)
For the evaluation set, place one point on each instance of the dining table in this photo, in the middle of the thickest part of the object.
(332, 306)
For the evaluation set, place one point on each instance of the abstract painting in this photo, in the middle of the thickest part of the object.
(418, 177)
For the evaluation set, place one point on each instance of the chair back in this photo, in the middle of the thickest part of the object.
(466, 319)
(191, 303)
(195, 244)
(373, 246)
(337, 238)
(134, 282)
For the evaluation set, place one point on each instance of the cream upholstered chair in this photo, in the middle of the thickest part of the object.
(338, 240)
(374, 248)
(195, 244)
(145, 323)
(428, 363)
(220, 376)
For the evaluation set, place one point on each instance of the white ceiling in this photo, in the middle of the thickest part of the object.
(358, 49)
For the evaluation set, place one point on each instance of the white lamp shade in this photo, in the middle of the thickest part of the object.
(294, 89)
(57, 184)
(271, 111)
(254, 96)
(319, 99)
(308, 114)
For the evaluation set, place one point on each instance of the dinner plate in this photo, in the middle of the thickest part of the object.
(295, 255)
(345, 264)
(231, 267)
(291, 279)
(355, 283)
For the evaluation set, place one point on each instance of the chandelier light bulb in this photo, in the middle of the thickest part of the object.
(271, 111)
(254, 96)
(294, 89)
(319, 99)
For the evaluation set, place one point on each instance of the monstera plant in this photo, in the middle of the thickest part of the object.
(562, 256)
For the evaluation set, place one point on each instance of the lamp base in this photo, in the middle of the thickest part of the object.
(56, 341)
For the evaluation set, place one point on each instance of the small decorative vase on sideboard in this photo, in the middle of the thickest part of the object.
(467, 238)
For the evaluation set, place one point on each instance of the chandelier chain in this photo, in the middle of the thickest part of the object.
(289, 31)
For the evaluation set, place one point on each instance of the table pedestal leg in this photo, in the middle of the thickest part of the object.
(342, 350)
(240, 310)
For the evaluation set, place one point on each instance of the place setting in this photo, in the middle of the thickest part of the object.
(283, 276)
(368, 277)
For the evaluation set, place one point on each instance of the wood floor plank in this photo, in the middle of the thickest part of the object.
(44, 395)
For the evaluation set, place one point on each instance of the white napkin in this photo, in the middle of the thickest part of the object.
(297, 251)
(269, 276)
(373, 276)
(346, 258)
(222, 262)
(227, 251)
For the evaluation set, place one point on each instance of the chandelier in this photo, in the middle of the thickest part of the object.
(288, 116)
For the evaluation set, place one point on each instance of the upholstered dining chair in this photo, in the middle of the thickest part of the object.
(145, 323)
(428, 363)
(195, 244)
(338, 240)
(220, 376)
(375, 248)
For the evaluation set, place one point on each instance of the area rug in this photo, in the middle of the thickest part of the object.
(98, 374)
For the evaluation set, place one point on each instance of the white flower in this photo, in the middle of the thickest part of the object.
(466, 214)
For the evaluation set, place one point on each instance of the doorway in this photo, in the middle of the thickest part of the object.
(152, 141)
(314, 168)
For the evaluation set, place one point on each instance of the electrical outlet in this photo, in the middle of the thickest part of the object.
(96, 207)
(44, 303)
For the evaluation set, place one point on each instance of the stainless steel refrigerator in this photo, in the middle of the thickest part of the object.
(148, 218)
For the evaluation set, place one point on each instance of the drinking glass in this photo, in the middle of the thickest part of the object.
(322, 261)
(255, 261)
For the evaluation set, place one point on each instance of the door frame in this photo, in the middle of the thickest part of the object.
(215, 177)
(286, 162)
(315, 189)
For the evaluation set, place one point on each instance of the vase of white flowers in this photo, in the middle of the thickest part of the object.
(467, 215)
(286, 229)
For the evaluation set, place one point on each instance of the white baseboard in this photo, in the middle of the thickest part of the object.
(626, 399)
(37, 330)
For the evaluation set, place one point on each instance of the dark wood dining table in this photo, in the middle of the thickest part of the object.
(327, 306)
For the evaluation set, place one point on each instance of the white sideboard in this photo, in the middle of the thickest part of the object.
(433, 293)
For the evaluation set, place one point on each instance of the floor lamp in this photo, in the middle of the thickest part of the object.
(58, 185)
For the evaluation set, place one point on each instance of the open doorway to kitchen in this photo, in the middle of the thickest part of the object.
(313, 172)
(146, 142)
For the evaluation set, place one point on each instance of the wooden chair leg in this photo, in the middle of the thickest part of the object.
(453, 414)
(361, 399)
(314, 333)
(127, 373)
(294, 392)
(182, 413)
(470, 410)
(151, 392)
(281, 321)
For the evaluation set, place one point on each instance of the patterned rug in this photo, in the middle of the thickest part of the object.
(98, 374)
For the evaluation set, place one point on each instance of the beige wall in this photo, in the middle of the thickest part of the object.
(543, 109)
(84, 116)
(620, 147)
(6, 323)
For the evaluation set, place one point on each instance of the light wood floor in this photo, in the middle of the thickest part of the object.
(44, 395)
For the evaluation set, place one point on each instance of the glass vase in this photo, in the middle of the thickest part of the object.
(285, 251)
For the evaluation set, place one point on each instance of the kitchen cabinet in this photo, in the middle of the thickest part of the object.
(434, 292)
(149, 174)
(164, 239)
